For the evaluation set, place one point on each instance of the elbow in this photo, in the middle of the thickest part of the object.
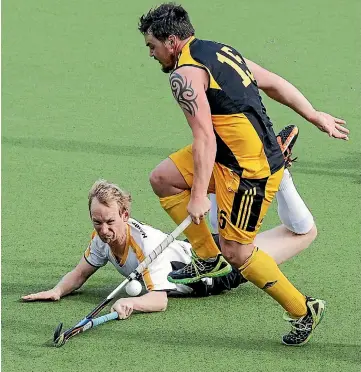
(211, 139)
(312, 233)
(161, 301)
(164, 303)
(208, 137)
(205, 140)
(212, 146)
(153, 301)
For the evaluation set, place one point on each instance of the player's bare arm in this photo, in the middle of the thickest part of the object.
(150, 302)
(284, 92)
(188, 86)
(70, 282)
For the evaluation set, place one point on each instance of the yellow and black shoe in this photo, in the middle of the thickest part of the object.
(302, 328)
(286, 139)
(199, 268)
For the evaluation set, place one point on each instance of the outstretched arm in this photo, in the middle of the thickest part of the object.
(287, 94)
(69, 283)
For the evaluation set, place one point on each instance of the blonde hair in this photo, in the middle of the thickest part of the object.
(107, 192)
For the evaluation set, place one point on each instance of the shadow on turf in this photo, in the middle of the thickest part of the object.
(350, 161)
(89, 295)
(348, 167)
(87, 147)
(356, 178)
(313, 350)
(191, 339)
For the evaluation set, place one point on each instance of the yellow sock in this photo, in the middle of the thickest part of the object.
(262, 271)
(198, 235)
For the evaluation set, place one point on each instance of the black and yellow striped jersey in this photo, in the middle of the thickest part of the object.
(246, 142)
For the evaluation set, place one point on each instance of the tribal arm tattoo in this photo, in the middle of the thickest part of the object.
(184, 93)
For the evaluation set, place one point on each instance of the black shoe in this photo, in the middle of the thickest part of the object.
(199, 268)
(286, 139)
(302, 328)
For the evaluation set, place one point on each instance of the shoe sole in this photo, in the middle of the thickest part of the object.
(226, 270)
(311, 334)
(292, 137)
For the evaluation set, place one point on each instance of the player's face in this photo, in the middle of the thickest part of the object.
(109, 224)
(162, 51)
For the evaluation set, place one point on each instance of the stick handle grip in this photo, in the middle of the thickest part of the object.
(105, 318)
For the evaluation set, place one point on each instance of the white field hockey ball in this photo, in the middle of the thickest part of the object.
(133, 288)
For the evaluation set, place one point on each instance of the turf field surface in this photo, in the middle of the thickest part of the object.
(82, 100)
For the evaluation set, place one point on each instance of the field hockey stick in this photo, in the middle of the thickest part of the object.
(92, 323)
(60, 338)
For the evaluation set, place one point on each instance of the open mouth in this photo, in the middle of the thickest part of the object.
(106, 239)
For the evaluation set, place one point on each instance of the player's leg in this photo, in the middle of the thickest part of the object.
(166, 180)
(292, 210)
(240, 203)
(282, 244)
(296, 233)
(280, 251)
(215, 286)
(172, 181)
(207, 260)
(298, 230)
(286, 139)
(241, 213)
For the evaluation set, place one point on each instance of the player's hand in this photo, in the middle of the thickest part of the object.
(50, 295)
(198, 207)
(331, 125)
(124, 308)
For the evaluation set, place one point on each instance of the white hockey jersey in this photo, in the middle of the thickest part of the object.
(141, 241)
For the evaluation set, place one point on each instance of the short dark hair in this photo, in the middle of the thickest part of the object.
(165, 20)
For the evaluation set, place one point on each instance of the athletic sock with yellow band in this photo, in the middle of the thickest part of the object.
(262, 271)
(198, 235)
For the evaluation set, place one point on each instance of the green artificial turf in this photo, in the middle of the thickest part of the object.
(81, 99)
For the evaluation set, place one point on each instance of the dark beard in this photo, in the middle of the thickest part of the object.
(168, 69)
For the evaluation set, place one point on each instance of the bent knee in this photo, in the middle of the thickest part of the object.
(307, 229)
(312, 233)
(230, 256)
(160, 182)
(304, 227)
(167, 180)
(156, 178)
(164, 304)
(235, 253)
